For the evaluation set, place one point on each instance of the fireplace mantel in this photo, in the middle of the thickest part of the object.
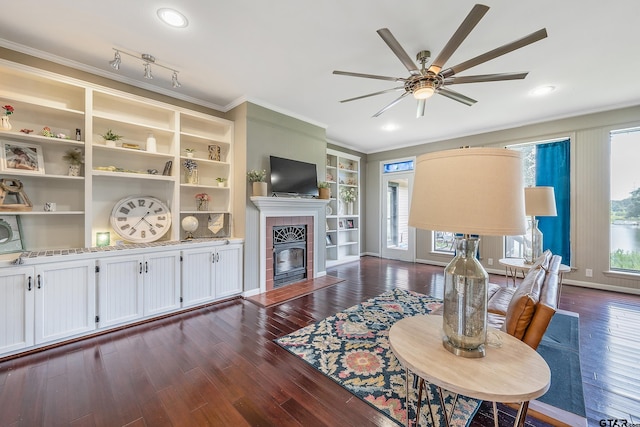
(290, 207)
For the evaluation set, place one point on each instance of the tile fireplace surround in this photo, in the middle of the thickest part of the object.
(289, 211)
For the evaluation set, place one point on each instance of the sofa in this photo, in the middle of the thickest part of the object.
(525, 311)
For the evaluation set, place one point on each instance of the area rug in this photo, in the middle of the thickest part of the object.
(352, 348)
(560, 348)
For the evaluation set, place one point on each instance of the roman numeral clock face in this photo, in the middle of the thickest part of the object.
(140, 219)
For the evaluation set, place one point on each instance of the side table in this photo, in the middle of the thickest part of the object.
(514, 265)
(510, 372)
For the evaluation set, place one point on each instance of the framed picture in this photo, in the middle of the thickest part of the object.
(22, 157)
(341, 223)
(10, 234)
(329, 241)
(350, 223)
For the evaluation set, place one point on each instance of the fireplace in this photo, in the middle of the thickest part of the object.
(289, 211)
(289, 254)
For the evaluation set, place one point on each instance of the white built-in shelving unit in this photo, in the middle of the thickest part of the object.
(343, 219)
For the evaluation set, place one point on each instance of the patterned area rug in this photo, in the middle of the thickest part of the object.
(352, 348)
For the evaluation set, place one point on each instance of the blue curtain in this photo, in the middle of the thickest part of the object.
(553, 164)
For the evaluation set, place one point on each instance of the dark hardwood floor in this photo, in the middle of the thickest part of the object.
(218, 365)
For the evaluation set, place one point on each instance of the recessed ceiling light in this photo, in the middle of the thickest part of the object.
(390, 127)
(542, 90)
(172, 17)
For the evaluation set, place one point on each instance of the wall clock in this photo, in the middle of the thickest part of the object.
(140, 219)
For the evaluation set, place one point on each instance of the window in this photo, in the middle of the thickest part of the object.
(402, 166)
(444, 242)
(625, 200)
(547, 164)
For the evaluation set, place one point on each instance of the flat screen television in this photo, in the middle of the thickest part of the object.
(293, 177)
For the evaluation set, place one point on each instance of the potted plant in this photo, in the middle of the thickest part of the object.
(110, 138)
(221, 181)
(189, 152)
(202, 201)
(257, 177)
(324, 190)
(75, 158)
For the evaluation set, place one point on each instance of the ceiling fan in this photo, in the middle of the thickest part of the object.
(424, 82)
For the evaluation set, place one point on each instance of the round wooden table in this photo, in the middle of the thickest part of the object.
(513, 265)
(510, 372)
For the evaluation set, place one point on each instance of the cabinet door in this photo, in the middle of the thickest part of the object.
(197, 276)
(161, 283)
(120, 290)
(228, 270)
(16, 309)
(65, 300)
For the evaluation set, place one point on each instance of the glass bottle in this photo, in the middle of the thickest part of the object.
(532, 242)
(464, 319)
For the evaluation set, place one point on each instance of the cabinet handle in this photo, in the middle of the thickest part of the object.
(218, 257)
(140, 268)
(213, 258)
(29, 284)
(39, 282)
(146, 267)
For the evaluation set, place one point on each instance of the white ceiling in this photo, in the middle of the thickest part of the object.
(281, 54)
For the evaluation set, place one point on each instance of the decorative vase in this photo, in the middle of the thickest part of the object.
(189, 155)
(5, 124)
(260, 189)
(349, 208)
(191, 176)
(151, 143)
(532, 242)
(325, 193)
(221, 184)
(109, 143)
(74, 170)
(202, 205)
(465, 301)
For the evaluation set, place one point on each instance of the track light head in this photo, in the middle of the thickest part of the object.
(174, 80)
(147, 71)
(117, 60)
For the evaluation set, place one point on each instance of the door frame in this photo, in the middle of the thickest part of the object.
(410, 253)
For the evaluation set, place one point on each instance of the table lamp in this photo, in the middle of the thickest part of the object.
(538, 201)
(470, 191)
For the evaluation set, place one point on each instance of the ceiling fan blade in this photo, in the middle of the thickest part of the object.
(485, 78)
(458, 37)
(369, 76)
(456, 96)
(509, 47)
(402, 55)
(421, 105)
(374, 94)
(391, 104)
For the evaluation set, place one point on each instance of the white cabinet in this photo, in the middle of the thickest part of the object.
(120, 285)
(211, 273)
(133, 287)
(17, 297)
(343, 213)
(161, 282)
(65, 300)
(228, 270)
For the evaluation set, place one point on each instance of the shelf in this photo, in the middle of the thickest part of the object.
(120, 150)
(41, 213)
(42, 175)
(211, 187)
(203, 212)
(36, 138)
(121, 175)
(347, 243)
(205, 161)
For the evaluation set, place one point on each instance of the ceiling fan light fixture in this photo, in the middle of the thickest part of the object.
(424, 89)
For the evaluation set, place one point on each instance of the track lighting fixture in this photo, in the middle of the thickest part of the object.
(147, 61)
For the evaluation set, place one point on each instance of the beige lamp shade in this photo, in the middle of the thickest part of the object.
(469, 191)
(540, 201)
